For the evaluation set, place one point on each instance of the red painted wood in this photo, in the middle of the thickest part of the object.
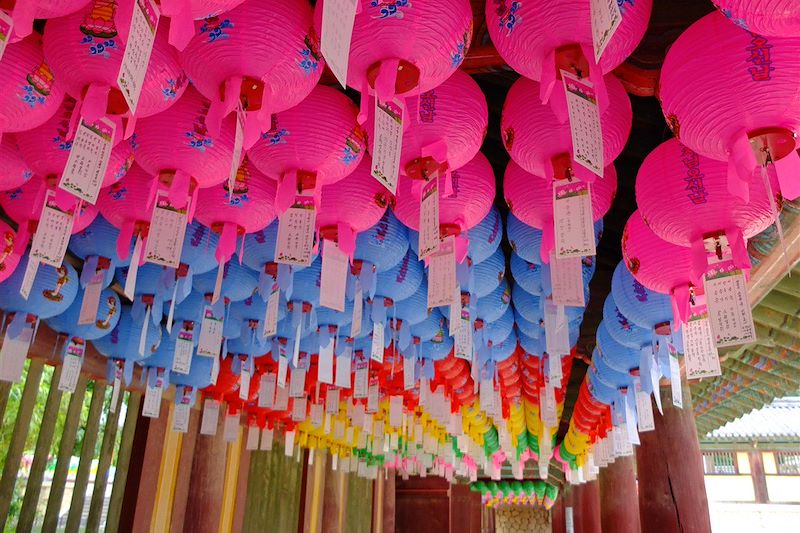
(422, 504)
(587, 507)
(759, 479)
(465, 509)
(619, 502)
(559, 520)
(672, 491)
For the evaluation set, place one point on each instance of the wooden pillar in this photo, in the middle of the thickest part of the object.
(389, 497)
(377, 505)
(150, 463)
(619, 503)
(204, 503)
(123, 462)
(559, 524)
(65, 449)
(359, 504)
(183, 481)
(757, 473)
(672, 491)
(315, 492)
(17, 446)
(273, 491)
(334, 500)
(232, 459)
(41, 454)
(241, 489)
(86, 457)
(465, 509)
(587, 507)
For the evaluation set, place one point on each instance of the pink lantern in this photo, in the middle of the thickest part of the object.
(538, 38)
(534, 135)
(177, 146)
(24, 11)
(128, 206)
(530, 199)
(31, 93)
(447, 125)
(399, 48)
(683, 197)
(13, 169)
(9, 254)
(86, 49)
(658, 265)
(731, 95)
(249, 208)
(263, 54)
(317, 138)
(24, 206)
(352, 205)
(46, 148)
(470, 201)
(183, 13)
(780, 18)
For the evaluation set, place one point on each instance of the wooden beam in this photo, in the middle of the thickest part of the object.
(619, 509)
(65, 448)
(167, 474)
(41, 453)
(103, 465)
(86, 457)
(123, 462)
(773, 269)
(17, 446)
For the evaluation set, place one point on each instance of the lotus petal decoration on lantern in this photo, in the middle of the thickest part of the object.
(530, 200)
(399, 48)
(779, 18)
(537, 38)
(85, 49)
(31, 92)
(14, 171)
(535, 137)
(725, 97)
(263, 55)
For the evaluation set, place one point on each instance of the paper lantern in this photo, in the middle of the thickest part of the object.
(538, 38)
(402, 280)
(85, 49)
(383, 245)
(352, 205)
(199, 376)
(262, 54)
(23, 12)
(487, 275)
(14, 171)
(429, 328)
(248, 208)
(127, 206)
(183, 13)
(52, 292)
(735, 107)
(97, 243)
(31, 92)
(535, 136)
(9, 257)
(198, 241)
(780, 18)
(485, 237)
(644, 307)
(526, 275)
(123, 341)
(238, 281)
(46, 148)
(620, 357)
(399, 48)
(107, 317)
(621, 328)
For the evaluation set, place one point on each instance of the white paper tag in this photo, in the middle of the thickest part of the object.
(373, 397)
(71, 368)
(566, 280)
(184, 348)
(271, 314)
(296, 232)
(729, 311)
(30, 276)
(463, 338)
(700, 352)
(210, 342)
(91, 299)
(180, 415)
(266, 439)
(338, 17)
(572, 219)
(52, 234)
(230, 431)
(13, 354)
(210, 420)
(316, 414)
(387, 143)
(288, 443)
(116, 389)
(299, 409)
(569, 520)
(281, 399)
(644, 408)
(376, 353)
(549, 416)
(6, 27)
(395, 411)
(252, 438)
(214, 371)
(442, 274)
(332, 401)
(297, 383)
(141, 36)
(283, 367)
(556, 330)
(88, 159)
(343, 363)
(238, 141)
(133, 269)
(361, 380)
(266, 390)
(487, 396)
(409, 380)
(606, 18)
(675, 382)
(333, 279)
(584, 123)
(554, 367)
(358, 311)
(244, 383)
(151, 407)
(325, 371)
(167, 229)
(429, 237)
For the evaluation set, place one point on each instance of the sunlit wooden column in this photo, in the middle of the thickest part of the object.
(334, 501)
(183, 481)
(672, 491)
(207, 482)
(154, 432)
(315, 492)
(243, 478)
(619, 501)
(587, 507)
(103, 465)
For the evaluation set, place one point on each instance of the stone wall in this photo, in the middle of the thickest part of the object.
(522, 519)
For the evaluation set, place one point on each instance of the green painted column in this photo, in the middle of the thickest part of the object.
(123, 462)
(103, 464)
(359, 504)
(273, 491)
